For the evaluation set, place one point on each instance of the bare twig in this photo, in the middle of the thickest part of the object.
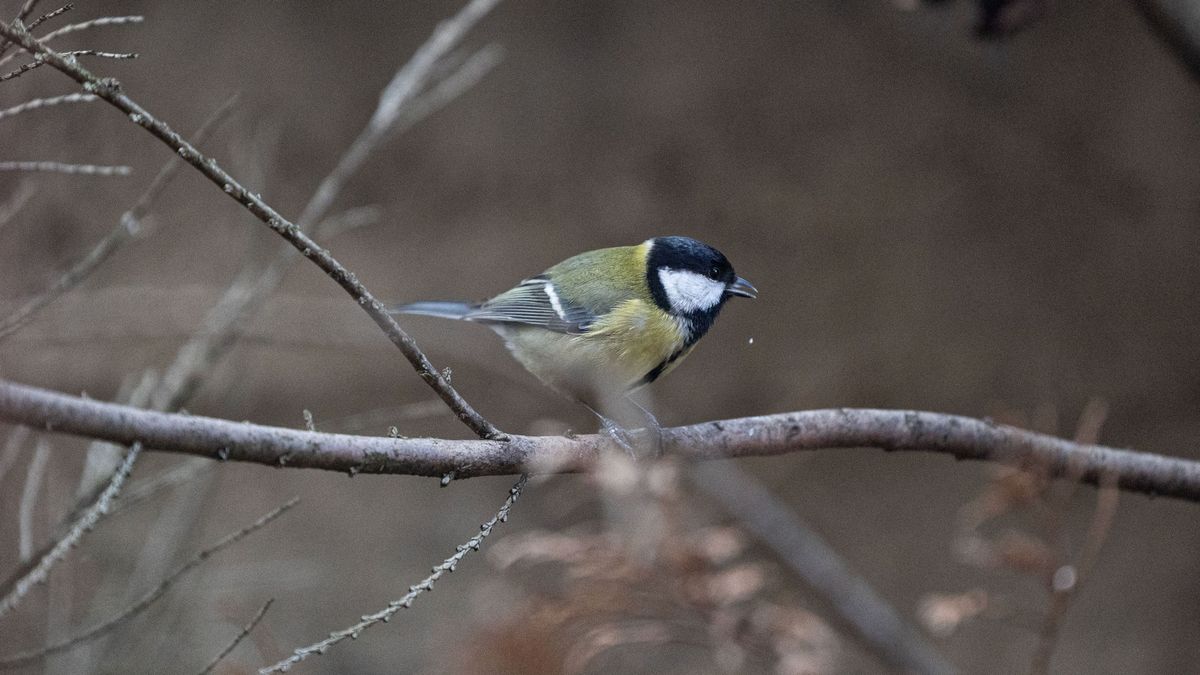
(59, 167)
(46, 103)
(29, 495)
(76, 27)
(384, 615)
(149, 598)
(119, 56)
(92, 23)
(262, 611)
(110, 91)
(38, 63)
(84, 524)
(768, 435)
(857, 607)
(12, 74)
(50, 15)
(127, 226)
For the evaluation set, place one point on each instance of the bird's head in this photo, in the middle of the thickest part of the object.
(691, 279)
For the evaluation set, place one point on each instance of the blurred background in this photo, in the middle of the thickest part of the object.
(990, 227)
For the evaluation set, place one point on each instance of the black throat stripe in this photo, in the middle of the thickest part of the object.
(657, 371)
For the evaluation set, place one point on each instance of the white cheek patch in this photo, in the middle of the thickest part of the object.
(690, 292)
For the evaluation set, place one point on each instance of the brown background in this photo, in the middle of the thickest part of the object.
(933, 222)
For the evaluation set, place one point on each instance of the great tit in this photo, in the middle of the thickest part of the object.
(606, 322)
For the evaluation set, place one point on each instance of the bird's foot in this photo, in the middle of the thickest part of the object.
(619, 435)
(654, 430)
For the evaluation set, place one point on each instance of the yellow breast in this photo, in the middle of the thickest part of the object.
(615, 354)
(635, 338)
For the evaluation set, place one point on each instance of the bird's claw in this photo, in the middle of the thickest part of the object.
(654, 430)
(618, 435)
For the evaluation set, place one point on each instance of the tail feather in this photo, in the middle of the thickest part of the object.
(445, 310)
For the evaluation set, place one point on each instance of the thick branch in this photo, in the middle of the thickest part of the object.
(961, 437)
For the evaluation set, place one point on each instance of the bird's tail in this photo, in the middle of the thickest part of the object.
(445, 310)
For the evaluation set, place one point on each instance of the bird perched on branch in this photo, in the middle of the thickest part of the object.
(603, 323)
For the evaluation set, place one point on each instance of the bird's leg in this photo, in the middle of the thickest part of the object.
(652, 426)
(616, 432)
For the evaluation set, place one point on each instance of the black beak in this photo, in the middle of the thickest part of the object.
(743, 288)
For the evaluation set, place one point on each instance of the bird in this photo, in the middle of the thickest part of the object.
(604, 323)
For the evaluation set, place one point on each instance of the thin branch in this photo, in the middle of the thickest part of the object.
(59, 167)
(76, 27)
(23, 658)
(384, 615)
(768, 435)
(92, 23)
(240, 636)
(38, 63)
(50, 15)
(82, 525)
(119, 56)
(857, 607)
(46, 103)
(21, 70)
(127, 226)
(110, 91)
(29, 495)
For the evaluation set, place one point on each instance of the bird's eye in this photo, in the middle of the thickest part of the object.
(714, 273)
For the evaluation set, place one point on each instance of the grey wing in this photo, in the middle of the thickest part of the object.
(534, 302)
